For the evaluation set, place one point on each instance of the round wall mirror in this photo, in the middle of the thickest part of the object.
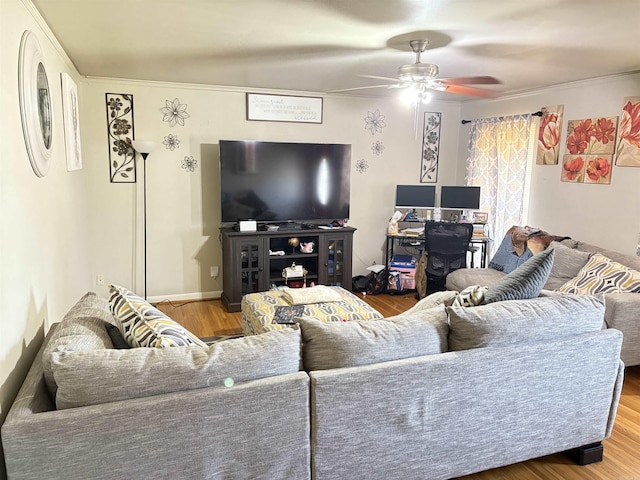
(36, 111)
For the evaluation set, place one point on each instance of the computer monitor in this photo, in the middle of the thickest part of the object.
(461, 198)
(415, 196)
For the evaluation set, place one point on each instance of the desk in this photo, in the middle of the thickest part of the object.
(418, 242)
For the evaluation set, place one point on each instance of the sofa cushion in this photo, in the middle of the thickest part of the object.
(353, 343)
(567, 263)
(143, 325)
(524, 282)
(458, 280)
(96, 377)
(432, 300)
(84, 327)
(603, 275)
(516, 321)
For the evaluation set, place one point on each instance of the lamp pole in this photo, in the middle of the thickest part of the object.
(144, 148)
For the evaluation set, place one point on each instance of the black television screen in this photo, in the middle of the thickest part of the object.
(466, 198)
(278, 182)
(415, 196)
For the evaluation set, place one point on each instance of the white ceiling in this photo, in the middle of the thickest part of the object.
(323, 45)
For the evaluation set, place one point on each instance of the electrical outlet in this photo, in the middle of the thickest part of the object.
(215, 271)
(100, 280)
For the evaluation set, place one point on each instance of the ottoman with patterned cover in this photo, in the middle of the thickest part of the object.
(262, 311)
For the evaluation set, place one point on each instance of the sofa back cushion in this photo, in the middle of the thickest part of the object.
(567, 262)
(603, 275)
(83, 328)
(631, 261)
(100, 376)
(517, 321)
(363, 342)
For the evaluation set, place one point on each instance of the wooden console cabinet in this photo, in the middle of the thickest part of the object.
(249, 265)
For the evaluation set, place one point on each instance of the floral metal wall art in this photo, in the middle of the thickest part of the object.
(174, 113)
(377, 148)
(549, 135)
(589, 150)
(374, 122)
(628, 152)
(171, 142)
(190, 164)
(122, 165)
(430, 147)
(362, 165)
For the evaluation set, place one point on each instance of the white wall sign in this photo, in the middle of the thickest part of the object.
(284, 108)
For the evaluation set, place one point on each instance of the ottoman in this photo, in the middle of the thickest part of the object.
(259, 310)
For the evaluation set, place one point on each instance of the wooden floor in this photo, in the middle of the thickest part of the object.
(621, 451)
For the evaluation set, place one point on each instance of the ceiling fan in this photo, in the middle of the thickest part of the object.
(418, 78)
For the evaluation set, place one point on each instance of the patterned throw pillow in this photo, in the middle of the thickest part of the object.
(142, 325)
(524, 282)
(603, 275)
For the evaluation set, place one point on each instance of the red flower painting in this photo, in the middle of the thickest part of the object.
(549, 135)
(598, 170)
(628, 152)
(572, 169)
(591, 136)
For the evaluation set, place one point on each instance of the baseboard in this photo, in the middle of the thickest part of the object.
(181, 297)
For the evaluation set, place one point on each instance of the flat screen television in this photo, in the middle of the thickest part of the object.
(281, 182)
(457, 197)
(415, 196)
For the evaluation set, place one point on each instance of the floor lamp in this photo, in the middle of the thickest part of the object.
(144, 148)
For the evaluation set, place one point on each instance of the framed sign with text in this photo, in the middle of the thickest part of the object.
(284, 108)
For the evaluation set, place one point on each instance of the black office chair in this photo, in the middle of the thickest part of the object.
(446, 245)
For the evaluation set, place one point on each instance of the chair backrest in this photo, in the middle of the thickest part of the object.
(446, 245)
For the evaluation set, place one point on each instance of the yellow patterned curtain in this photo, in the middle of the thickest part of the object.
(497, 162)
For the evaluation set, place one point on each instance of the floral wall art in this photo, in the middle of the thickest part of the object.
(589, 150)
(549, 135)
(122, 165)
(430, 147)
(628, 151)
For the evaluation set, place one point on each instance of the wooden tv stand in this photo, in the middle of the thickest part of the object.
(248, 266)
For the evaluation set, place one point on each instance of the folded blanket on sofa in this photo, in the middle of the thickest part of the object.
(317, 294)
(518, 245)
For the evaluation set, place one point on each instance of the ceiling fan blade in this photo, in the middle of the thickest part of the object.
(376, 77)
(472, 91)
(362, 88)
(483, 80)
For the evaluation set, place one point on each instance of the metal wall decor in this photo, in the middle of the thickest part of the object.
(122, 164)
(430, 147)
(374, 122)
(36, 111)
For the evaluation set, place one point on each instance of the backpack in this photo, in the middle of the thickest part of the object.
(359, 283)
(377, 282)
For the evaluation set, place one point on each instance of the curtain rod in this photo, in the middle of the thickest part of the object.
(539, 113)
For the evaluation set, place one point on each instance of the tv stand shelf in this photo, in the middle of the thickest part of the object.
(249, 264)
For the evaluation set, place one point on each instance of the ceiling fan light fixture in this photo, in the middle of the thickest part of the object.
(416, 94)
(417, 72)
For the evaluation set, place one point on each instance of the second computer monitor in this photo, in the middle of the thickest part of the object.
(458, 197)
(415, 196)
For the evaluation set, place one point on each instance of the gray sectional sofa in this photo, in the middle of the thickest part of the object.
(622, 309)
(433, 393)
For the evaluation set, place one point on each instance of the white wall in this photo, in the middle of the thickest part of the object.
(605, 215)
(44, 248)
(183, 207)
